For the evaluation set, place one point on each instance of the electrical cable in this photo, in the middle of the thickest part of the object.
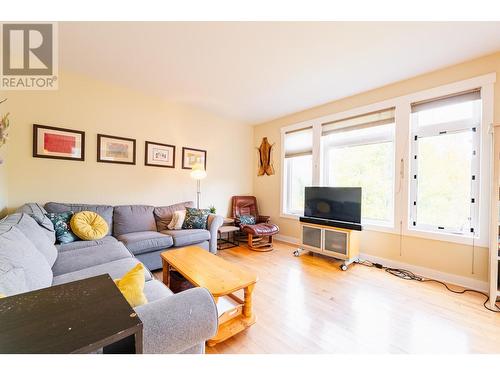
(408, 275)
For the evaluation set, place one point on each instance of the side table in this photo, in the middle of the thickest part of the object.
(227, 243)
(228, 221)
(78, 317)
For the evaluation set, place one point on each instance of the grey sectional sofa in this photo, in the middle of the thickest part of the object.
(30, 260)
(143, 229)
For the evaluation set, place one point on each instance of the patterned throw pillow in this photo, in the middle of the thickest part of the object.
(247, 219)
(62, 227)
(195, 218)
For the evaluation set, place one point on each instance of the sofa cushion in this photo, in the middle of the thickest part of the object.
(187, 237)
(163, 215)
(82, 244)
(103, 210)
(74, 260)
(35, 234)
(12, 280)
(155, 290)
(116, 269)
(37, 212)
(17, 252)
(144, 242)
(133, 218)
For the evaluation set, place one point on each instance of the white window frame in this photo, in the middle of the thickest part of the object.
(285, 175)
(288, 190)
(362, 142)
(436, 130)
(402, 147)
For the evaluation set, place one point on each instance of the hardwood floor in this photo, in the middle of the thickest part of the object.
(307, 305)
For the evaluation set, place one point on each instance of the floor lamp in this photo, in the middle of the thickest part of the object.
(198, 173)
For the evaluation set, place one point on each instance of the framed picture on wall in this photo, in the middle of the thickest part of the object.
(159, 155)
(58, 143)
(192, 156)
(111, 149)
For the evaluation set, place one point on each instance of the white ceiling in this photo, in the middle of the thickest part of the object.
(258, 71)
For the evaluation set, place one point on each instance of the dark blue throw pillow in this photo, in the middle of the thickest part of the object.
(247, 219)
(195, 218)
(62, 227)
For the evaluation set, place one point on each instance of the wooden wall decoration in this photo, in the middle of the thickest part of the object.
(4, 126)
(265, 158)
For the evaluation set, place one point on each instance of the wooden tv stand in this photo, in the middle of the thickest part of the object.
(335, 242)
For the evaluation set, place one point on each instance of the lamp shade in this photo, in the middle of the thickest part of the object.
(198, 172)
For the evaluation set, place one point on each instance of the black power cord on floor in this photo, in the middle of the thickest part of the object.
(408, 275)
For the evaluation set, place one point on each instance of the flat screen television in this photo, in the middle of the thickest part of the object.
(333, 203)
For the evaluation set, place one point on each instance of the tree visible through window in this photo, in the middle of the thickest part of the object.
(371, 168)
(299, 176)
(444, 180)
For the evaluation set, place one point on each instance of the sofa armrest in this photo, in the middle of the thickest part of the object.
(178, 322)
(213, 225)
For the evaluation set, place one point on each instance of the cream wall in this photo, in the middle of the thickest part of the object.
(97, 107)
(3, 183)
(451, 258)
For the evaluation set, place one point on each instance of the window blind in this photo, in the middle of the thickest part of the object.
(443, 101)
(298, 142)
(367, 120)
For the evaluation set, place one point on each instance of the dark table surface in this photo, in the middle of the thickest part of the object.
(77, 317)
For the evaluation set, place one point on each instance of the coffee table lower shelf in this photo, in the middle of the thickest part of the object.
(233, 320)
(231, 328)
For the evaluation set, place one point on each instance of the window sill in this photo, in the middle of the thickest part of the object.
(446, 237)
(391, 229)
(290, 216)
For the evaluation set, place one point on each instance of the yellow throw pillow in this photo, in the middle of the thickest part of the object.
(132, 286)
(88, 225)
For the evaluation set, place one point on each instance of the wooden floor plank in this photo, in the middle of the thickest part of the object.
(307, 305)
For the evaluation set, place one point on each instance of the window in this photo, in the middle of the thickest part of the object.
(445, 164)
(421, 159)
(359, 151)
(298, 169)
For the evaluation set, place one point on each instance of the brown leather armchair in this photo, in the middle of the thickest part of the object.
(247, 205)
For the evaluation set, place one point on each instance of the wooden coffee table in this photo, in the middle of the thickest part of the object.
(222, 279)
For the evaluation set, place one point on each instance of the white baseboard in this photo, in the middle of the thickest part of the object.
(430, 273)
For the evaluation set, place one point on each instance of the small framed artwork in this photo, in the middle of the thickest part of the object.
(159, 155)
(58, 143)
(192, 156)
(111, 149)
